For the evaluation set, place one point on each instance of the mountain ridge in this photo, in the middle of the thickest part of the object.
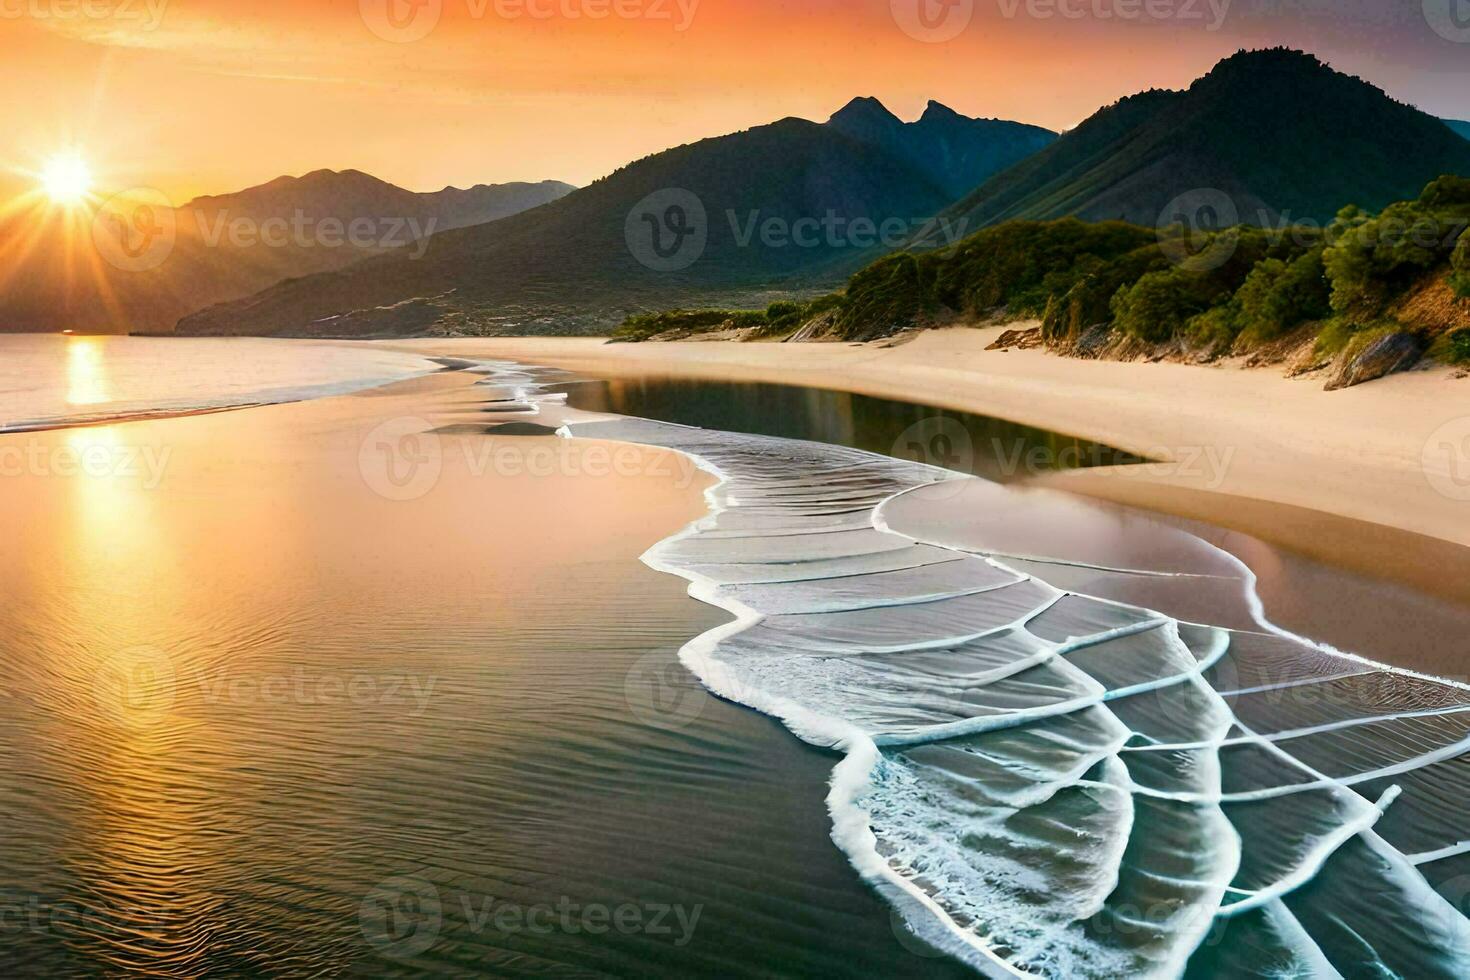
(1275, 130)
(223, 247)
(777, 204)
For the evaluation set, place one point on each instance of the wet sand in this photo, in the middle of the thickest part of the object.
(1338, 477)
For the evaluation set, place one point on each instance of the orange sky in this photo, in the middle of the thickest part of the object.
(216, 95)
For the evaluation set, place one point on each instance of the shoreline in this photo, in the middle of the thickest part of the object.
(1338, 477)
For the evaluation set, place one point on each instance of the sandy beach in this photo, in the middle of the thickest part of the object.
(1364, 478)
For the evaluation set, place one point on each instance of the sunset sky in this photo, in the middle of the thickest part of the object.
(206, 96)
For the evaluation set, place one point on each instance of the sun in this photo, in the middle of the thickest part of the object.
(66, 180)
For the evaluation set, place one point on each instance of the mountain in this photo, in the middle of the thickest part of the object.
(794, 201)
(1459, 126)
(1276, 131)
(139, 264)
(952, 151)
(351, 193)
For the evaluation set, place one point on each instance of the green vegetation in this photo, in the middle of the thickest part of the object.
(1279, 296)
(1460, 263)
(1207, 292)
(777, 320)
(1453, 347)
(642, 326)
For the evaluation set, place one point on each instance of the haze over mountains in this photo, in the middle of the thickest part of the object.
(219, 248)
(791, 201)
(1277, 131)
(787, 207)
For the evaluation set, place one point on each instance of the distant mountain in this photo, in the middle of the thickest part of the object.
(1459, 126)
(348, 194)
(789, 202)
(1277, 131)
(952, 151)
(139, 264)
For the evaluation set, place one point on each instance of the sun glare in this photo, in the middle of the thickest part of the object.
(66, 180)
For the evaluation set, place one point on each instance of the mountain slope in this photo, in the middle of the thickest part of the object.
(793, 200)
(952, 151)
(1460, 126)
(1277, 131)
(352, 193)
(81, 270)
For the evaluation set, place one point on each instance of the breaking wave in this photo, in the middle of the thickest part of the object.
(1072, 743)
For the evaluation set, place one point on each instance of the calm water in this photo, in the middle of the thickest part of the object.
(49, 380)
(262, 714)
(257, 718)
(989, 447)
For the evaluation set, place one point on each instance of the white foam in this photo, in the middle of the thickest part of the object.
(966, 794)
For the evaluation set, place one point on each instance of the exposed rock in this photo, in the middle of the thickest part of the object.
(1019, 339)
(818, 327)
(1091, 342)
(1378, 358)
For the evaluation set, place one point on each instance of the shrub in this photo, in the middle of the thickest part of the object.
(641, 326)
(1371, 260)
(1020, 265)
(1278, 296)
(1453, 347)
(1460, 266)
(1159, 305)
(890, 295)
(1215, 328)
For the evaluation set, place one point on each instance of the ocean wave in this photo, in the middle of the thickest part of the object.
(1064, 776)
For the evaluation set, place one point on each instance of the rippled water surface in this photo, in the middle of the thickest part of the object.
(257, 717)
(47, 379)
(378, 685)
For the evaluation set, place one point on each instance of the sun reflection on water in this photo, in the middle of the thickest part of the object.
(86, 372)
